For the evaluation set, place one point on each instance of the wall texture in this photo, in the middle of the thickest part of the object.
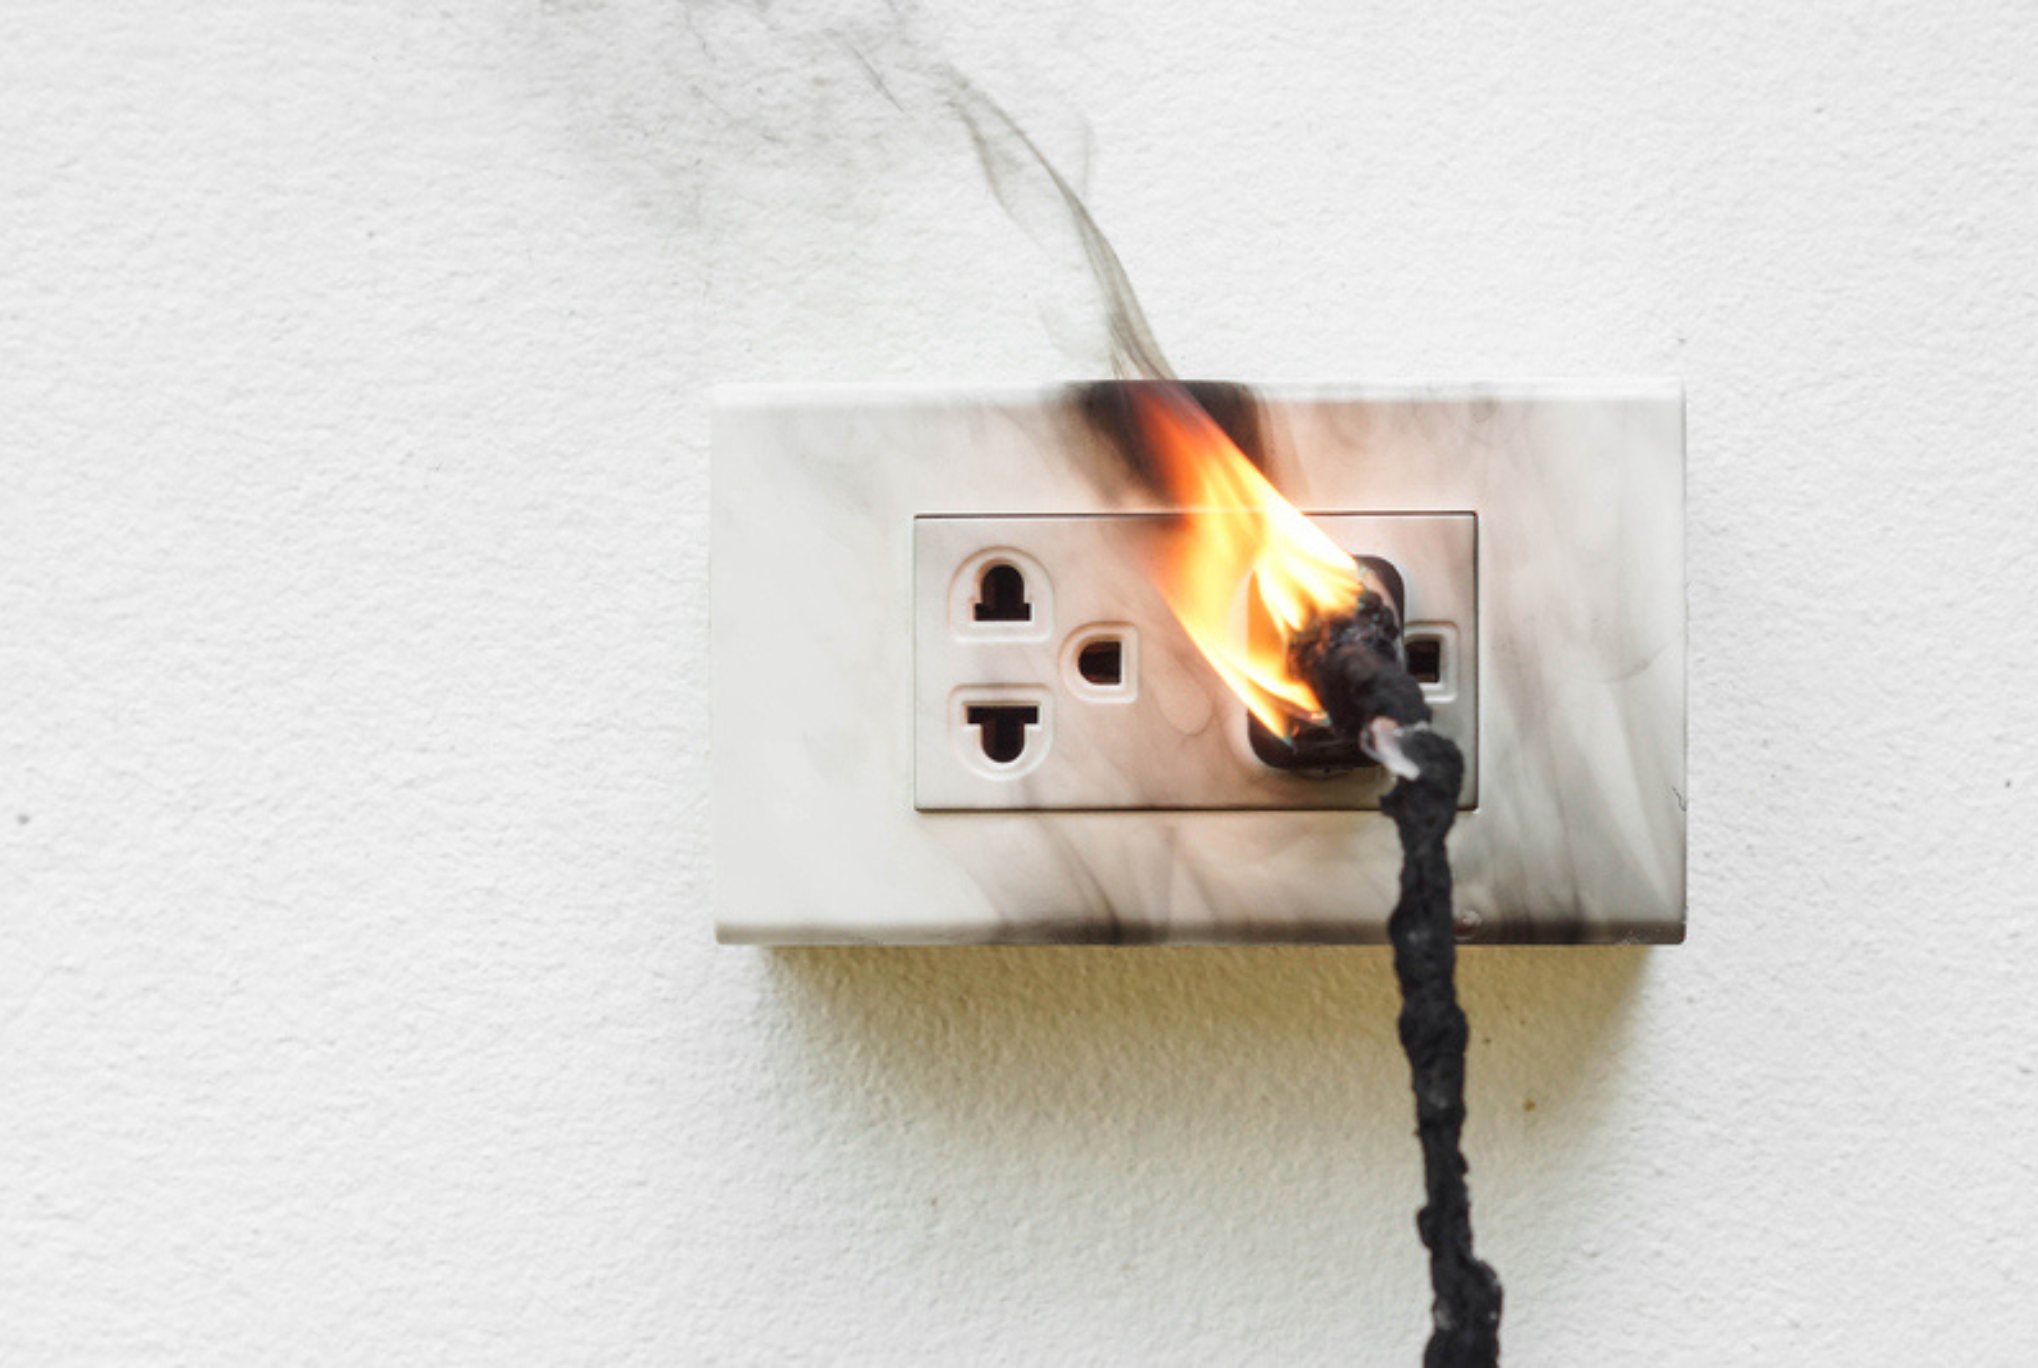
(357, 996)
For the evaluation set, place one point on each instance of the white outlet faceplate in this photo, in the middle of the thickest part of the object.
(1156, 728)
(857, 798)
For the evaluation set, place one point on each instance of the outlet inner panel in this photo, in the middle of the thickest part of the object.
(1049, 674)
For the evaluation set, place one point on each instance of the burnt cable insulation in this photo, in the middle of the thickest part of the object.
(1369, 696)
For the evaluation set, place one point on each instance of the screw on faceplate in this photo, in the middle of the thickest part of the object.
(1465, 923)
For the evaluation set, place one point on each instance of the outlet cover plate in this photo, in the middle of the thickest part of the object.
(820, 709)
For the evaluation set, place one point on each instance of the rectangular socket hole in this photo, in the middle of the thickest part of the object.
(1426, 659)
(1102, 662)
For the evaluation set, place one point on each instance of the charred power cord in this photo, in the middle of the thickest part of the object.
(1357, 667)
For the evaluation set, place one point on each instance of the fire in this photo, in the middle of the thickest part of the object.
(1238, 532)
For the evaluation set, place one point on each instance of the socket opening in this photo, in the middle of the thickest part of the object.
(1001, 595)
(1102, 662)
(1425, 658)
(1001, 731)
(1001, 728)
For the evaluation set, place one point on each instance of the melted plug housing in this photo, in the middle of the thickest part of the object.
(1372, 630)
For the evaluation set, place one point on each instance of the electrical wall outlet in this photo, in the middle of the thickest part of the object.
(1050, 674)
(949, 708)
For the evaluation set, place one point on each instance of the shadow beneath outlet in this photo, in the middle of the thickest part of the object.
(1275, 1069)
(952, 1019)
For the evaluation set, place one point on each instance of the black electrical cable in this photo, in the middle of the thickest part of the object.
(1369, 696)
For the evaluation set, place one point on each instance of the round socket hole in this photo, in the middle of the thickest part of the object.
(1001, 595)
(1001, 731)
(1101, 663)
(1002, 727)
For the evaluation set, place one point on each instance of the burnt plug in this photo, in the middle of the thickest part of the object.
(1315, 749)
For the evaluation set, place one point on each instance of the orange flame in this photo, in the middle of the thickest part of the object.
(1236, 532)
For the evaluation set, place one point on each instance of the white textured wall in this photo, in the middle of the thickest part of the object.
(357, 996)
